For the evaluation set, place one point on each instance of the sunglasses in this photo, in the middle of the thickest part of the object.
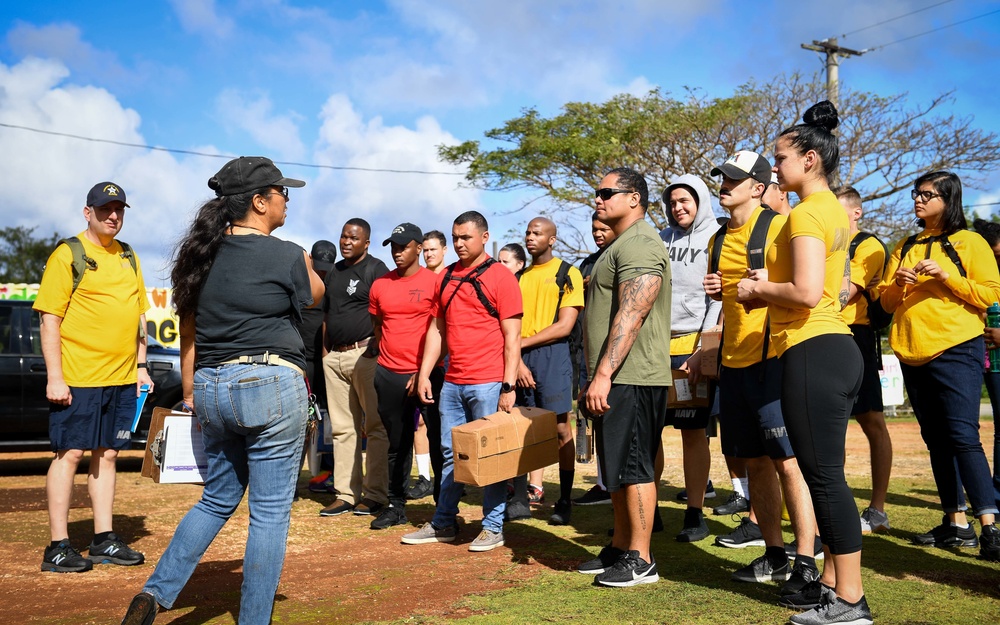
(282, 191)
(605, 193)
(925, 196)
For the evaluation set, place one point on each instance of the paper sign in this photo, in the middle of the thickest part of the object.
(184, 459)
(683, 390)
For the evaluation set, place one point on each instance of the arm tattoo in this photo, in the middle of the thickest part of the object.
(845, 286)
(635, 300)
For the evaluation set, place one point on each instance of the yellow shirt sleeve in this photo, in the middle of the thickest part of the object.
(866, 274)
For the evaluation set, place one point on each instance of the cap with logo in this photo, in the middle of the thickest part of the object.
(403, 234)
(324, 255)
(745, 164)
(104, 193)
(249, 173)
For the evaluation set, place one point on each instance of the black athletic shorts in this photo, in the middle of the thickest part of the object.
(870, 396)
(628, 434)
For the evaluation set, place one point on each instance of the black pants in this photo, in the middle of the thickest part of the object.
(432, 419)
(398, 411)
(821, 379)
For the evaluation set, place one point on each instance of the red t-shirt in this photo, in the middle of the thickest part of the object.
(473, 336)
(405, 307)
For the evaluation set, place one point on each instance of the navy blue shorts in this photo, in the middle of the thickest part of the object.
(553, 372)
(751, 418)
(870, 396)
(689, 418)
(98, 417)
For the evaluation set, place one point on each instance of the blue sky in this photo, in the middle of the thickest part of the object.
(381, 84)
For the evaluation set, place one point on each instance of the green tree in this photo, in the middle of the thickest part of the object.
(885, 143)
(23, 257)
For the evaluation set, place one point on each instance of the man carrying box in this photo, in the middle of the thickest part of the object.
(477, 312)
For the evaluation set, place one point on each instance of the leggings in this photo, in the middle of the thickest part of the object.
(822, 376)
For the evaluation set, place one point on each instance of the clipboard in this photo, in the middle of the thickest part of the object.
(175, 452)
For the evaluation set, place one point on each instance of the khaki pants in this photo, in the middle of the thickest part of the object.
(353, 405)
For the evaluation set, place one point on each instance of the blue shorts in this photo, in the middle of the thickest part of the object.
(99, 417)
(870, 396)
(553, 372)
(751, 418)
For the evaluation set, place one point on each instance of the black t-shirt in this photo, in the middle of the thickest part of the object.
(251, 300)
(311, 330)
(346, 300)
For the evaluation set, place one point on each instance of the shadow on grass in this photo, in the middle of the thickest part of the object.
(128, 528)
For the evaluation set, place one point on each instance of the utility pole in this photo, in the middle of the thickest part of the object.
(833, 54)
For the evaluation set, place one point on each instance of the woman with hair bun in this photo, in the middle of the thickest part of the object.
(238, 292)
(805, 286)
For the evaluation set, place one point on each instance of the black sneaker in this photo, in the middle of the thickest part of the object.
(390, 515)
(812, 594)
(948, 535)
(142, 610)
(592, 497)
(761, 570)
(562, 513)
(695, 528)
(801, 575)
(735, 504)
(836, 611)
(604, 560)
(63, 558)
(419, 488)
(629, 570)
(989, 543)
(746, 534)
(114, 551)
(368, 507)
(709, 492)
(516, 510)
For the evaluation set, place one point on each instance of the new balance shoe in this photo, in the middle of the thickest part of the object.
(337, 508)
(142, 610)
(419, 488)
(709, 492)
(735, 504)
(368, 507)
(604, 560)
(989, 543)
(746, 534)
(63, 558)
(114, 551)
(812, 594)
(487, 541)
(562, 513)
(694, 528)
(536, 495)
(761, 570)
(791, 551)
(948, 535)
(802, 574)
(836, 611)
(430, 534)
(516, 510)
(629, 570)
(391, 515)
(874, 521)
(596, 495)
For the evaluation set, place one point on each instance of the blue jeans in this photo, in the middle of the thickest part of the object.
(993, 388)
(461, 403)
(253, 420)
(945, 397)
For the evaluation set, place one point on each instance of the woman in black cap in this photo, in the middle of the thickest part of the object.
(238, 292)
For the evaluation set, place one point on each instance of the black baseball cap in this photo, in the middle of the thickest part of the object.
(403, 234)
(248, 173)
(745, 164)
(324, 255)
(104, 193)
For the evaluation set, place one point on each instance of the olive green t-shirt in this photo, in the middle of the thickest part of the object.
(636, 252)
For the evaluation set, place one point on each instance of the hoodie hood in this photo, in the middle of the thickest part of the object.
(691, 309)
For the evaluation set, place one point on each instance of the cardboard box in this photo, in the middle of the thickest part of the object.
(175, 451)
(501, 446)
(682, 395)
(710, 344)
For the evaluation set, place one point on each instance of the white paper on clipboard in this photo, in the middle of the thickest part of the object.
(184, 459)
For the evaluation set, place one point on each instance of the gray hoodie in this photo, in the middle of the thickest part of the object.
(691, 310)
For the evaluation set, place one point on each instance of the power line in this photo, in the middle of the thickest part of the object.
(228, 156)
(898, 17)
(931, 31)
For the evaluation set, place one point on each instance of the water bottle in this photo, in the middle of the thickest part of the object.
(993, 321)
(585, 439)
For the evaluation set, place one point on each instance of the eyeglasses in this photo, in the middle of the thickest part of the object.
(283, 192)
(925, 196)
(605, 193)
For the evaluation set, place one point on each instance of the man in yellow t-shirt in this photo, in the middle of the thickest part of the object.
(552, 300)
(95, 357)
(866, 273)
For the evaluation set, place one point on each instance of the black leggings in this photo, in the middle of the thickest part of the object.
(398, 411)
(822, 377)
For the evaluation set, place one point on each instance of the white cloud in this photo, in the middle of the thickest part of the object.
(252, 114)
(201, 17)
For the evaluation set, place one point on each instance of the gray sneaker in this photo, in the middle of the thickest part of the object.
(487, 540)
(835, 611)
(430, 534)
(874, 521)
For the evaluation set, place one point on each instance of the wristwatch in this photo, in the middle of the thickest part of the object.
(141, 365)
(506, 388)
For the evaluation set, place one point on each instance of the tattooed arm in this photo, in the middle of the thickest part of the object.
(635, 300)
(845, 285)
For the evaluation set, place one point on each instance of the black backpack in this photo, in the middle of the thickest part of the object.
(878, 317)
(473, 279)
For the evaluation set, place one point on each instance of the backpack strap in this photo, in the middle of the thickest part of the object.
(81, 262)
(758, 239)
(858, 239)
(717, 240)
(562, 280)
(946, 245)
(473, 279)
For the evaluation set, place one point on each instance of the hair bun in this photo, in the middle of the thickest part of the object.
(822, 114)
(214, 184)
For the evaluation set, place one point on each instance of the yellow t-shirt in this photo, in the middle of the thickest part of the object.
(743, 337)
(684, 344)
(539, 294)
(932, 316)
(822, 217)
(100, 321)
(866, 274)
